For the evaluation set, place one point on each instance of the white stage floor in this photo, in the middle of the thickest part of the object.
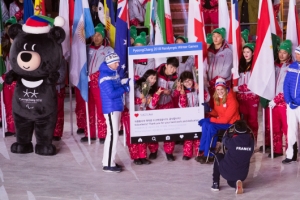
(76, 173)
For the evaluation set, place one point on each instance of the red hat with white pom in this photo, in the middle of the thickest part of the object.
(39, 24)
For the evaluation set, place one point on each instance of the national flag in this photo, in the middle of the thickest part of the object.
(160, 29)
(28, 9)
(293, 26)
(224, 20)
(83, 28)
(2, 65)
(196, 29)
(276, 7)
(110, 21)
(262, 80)
(150, 19)
(64, 12)
(235, 37)
(168, 23)
(39, 7)
(122, 36)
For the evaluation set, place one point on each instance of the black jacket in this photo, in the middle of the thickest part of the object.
(235, 165)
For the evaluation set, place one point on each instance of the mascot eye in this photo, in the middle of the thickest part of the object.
(25, 46)
(33, 47)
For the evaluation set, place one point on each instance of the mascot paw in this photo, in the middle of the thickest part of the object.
(10, 77)
(45, 150)
(21, 148)
(53, 77)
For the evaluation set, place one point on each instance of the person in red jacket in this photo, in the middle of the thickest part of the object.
(224, 114)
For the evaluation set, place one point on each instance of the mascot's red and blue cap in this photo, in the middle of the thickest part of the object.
(39, 24)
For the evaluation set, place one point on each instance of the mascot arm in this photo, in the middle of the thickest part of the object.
(53, 77)
(10, 77)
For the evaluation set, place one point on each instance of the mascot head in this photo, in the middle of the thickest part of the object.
(36, 49)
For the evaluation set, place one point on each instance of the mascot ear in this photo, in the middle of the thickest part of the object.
(14, 30)
(58, 34)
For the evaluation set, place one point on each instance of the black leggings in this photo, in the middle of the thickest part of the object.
(216, 172)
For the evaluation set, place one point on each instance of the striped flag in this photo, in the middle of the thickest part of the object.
(235, 37)
(196, 29)
(39, 7)
(293, 26)
(160, 27)
(150, 19)
(224, 20)
(82, 28)
(262, 80)
(110, 21)
(168, 23)
(122, 36)
(64, 12)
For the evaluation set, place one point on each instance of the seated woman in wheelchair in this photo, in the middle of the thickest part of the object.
(234, 164)
(222, 116)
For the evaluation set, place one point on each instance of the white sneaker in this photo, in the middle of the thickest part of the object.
(239, 187)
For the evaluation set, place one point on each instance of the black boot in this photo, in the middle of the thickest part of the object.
(170, 157)
(137, 162)
(153, 156)
(145, 161)
(56, 138)
(295, 152)
(80, 131)
(7, 134)
(185, 158)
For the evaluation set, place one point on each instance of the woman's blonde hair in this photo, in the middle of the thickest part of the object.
(217, 99)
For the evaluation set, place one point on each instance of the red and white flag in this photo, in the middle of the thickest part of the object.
(64, 12)
(196, 30)
(168, 23)
(262, 80)
(224, 20)
(235, 38)
(293, 26)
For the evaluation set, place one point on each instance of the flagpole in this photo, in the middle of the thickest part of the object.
(88, 122)
(271, 133)
(263, 126)
(71, 101)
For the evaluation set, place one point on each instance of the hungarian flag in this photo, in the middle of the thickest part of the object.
(262, 80)
(168, 20)
(39, 7)
(196, 30)
(293, 26)
(224, 20)
(235, 38)
(122, 36)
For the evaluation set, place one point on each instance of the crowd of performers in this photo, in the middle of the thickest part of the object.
(224, 102)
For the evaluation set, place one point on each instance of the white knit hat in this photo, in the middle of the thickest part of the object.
(112, 58)
(297, 50)
(220, 82)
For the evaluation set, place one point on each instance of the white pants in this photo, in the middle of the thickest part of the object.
(110, 145)
(293, 119)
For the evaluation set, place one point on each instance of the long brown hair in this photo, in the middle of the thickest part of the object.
(217, 99)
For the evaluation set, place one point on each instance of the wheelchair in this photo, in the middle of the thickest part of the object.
(219, 135)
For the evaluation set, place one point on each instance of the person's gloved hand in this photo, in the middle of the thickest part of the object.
(272, 104)
(206, 107)
(202, 121)
(293, 105)
(235, 88)
(126, 86)
(296, 101)
(10, 77)
(1, 80)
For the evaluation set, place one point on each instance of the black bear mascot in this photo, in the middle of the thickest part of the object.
(35, 57)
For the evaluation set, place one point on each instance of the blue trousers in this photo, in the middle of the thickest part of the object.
(209, 129)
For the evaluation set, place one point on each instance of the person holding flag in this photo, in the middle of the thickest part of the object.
(96, 55)
(248, 101)
(140, 66)
(133, 35)
(210, 14)
(219, 59)
(291, 93)
(16, 9)
(278, 105)
(245, 37)
(136, 12)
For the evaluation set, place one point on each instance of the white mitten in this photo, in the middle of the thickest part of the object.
(272, 104)
(1, 80)
(235, 88)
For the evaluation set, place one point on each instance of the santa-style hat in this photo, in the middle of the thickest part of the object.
(220, 82)
(112, 58)
(38, 24)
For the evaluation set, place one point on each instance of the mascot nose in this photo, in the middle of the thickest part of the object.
(26, 57)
